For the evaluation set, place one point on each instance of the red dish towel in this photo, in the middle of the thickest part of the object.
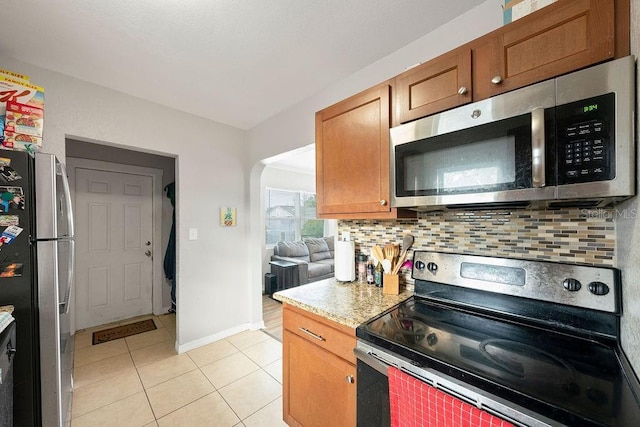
(417, 404)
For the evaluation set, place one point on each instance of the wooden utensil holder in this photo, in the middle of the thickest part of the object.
(390, 284)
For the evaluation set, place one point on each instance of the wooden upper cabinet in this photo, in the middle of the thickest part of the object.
(560, 38)
(352, 136)
(434, 86)
(352, 157)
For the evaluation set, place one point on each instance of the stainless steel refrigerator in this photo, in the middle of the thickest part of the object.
(36, 275)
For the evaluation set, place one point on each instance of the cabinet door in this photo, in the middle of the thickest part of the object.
(435, 86)
(559, 38)
(352, 155)
(318, 387)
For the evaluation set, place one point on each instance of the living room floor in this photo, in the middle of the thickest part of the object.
(141, 381)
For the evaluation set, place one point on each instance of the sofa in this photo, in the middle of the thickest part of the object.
(314, 258)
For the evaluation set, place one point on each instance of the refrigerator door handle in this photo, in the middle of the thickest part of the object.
(67, 192)
(64, 306)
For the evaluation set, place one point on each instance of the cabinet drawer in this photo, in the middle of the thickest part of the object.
(324, 333)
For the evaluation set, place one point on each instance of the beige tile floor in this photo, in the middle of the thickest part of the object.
(141, 380)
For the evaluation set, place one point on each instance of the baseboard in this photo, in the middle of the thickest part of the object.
(163, 310)
(215, 337)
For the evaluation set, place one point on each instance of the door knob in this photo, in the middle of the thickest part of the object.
(147, 253)
(148, 243)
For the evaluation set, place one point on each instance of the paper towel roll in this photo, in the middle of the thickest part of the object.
(345, 262)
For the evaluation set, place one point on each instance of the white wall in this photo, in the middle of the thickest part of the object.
(213, 291)
(628, 235)
(294, 128)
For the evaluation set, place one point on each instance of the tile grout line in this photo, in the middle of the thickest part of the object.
(200, 369)
(155, 417)
(260, 368)
(144, 389)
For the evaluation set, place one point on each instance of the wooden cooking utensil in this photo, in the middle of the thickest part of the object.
(386, 266)
(388, 252)
(407, 242)
(398, 265)
(377, 253)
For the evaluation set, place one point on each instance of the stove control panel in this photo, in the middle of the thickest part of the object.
(583, 286)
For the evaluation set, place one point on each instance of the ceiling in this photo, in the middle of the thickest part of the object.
(237, 62)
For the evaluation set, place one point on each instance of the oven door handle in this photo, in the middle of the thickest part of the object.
(373, 360)
(518, 416)
(538, 167)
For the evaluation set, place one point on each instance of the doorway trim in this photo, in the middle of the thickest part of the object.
(74, 163)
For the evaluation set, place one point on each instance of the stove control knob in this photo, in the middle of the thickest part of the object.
(572, 285)
(432, 267)
(598, 288)
(419, 265)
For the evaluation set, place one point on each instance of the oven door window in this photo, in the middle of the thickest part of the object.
(373, 397)
(492, 157)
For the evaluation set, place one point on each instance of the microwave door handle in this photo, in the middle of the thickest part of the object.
(538, 148)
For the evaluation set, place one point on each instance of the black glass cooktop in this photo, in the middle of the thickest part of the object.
(560, 371)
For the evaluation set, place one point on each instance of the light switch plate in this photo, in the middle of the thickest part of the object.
(193, 234)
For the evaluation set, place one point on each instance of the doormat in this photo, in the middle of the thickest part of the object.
(123, 331)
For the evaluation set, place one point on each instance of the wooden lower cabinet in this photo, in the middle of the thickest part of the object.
(319, 387)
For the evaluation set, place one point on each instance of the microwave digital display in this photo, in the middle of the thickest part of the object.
(589, 108)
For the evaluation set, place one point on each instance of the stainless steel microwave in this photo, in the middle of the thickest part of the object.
(569, 141)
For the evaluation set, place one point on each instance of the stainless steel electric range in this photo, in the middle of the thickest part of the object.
(534, 343)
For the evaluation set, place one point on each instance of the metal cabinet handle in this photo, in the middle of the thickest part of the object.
(496, 80)
(383, 202)
(350, 379)
(308, 332)
(463, 90)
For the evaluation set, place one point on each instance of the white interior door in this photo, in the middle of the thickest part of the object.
(114, 219)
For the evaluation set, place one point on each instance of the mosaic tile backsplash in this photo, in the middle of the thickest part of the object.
(586, 236)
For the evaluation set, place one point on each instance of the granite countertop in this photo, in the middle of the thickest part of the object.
(346, 303)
